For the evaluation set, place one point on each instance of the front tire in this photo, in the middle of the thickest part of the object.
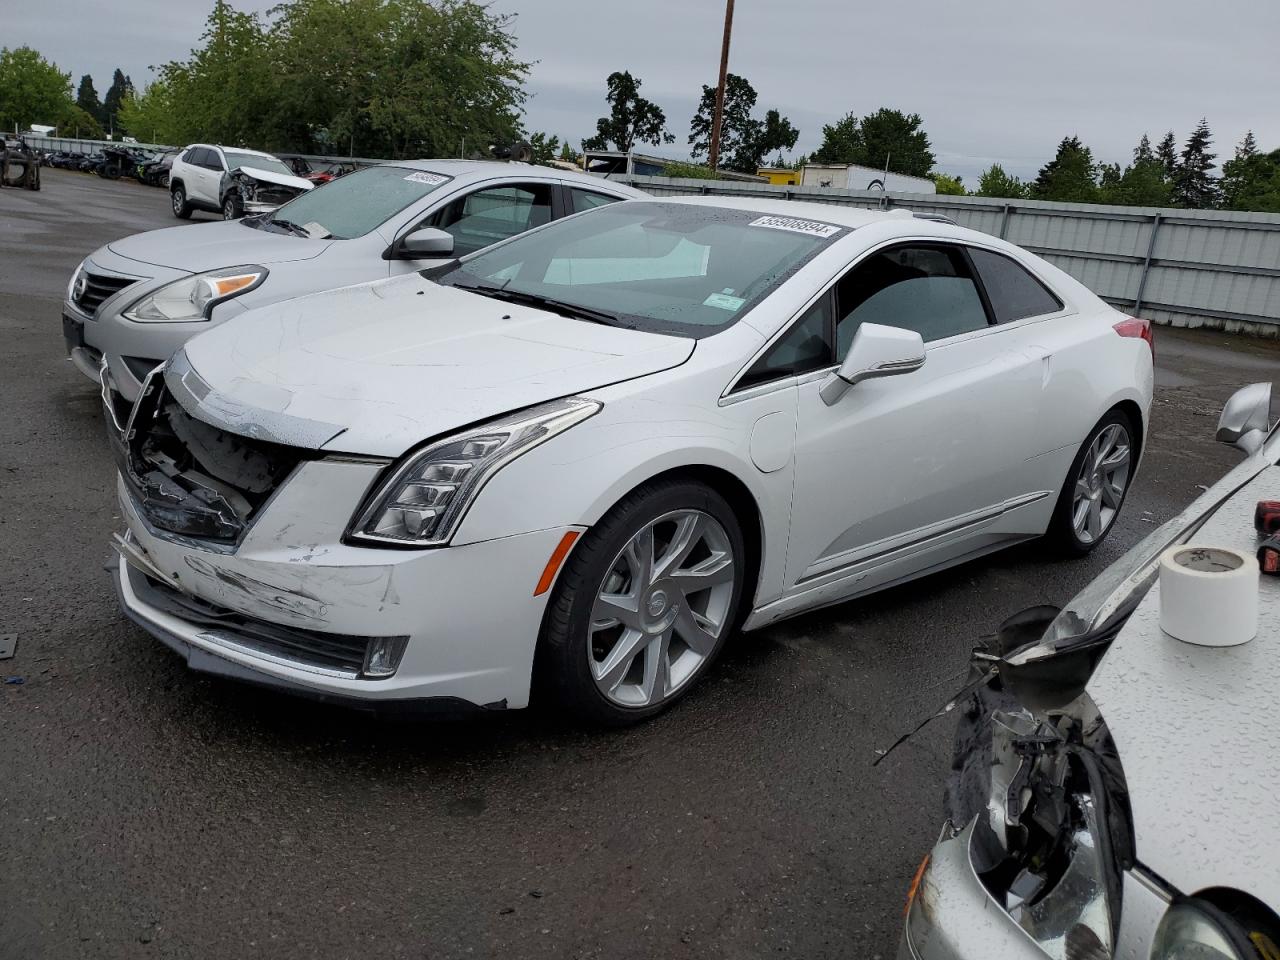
(644, 604)
(1096, 486)
(232, 207)
(181, 206)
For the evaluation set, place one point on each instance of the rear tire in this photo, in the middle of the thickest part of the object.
(1096, 486)
(669, 561)
(178, 198)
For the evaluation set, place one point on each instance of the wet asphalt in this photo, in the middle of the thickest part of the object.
(146, 811)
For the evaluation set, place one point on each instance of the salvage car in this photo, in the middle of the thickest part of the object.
(1112, 791)
(230, 181)
(137, 300)
(582, 458)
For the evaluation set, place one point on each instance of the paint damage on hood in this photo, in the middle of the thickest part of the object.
(377, 368)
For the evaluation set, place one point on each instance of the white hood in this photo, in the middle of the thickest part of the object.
(1195, 729)
(377, 368)
(283, 179)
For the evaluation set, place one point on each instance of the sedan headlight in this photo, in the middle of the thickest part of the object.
(71, 284)
(1196, 930)
(194, 297)
(422, 503)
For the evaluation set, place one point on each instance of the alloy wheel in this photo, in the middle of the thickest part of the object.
(662, 608)
(1101, 483)
(179, 199)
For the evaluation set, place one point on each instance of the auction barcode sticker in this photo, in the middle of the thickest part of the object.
(420, 176)
(811, 227)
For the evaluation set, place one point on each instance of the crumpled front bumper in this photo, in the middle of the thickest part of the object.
(953, 917)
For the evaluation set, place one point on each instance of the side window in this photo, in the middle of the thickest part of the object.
(1014, 293)
(214, 161)
(589, 199)
(195, 156)
(928, 289)
(496, 213)
(803, 348)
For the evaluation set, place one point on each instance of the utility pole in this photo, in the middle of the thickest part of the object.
(718, 119)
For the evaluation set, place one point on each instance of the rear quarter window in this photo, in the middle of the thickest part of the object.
(1015, 294)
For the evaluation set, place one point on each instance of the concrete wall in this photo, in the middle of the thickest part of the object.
(1180, 267)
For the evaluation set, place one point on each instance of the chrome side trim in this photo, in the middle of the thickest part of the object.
(883, 549)
(1156, 886)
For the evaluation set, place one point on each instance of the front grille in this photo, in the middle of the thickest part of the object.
(326, 651)
(97, 288)
(194, 479)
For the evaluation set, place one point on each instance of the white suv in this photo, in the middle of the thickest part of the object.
(230, 181)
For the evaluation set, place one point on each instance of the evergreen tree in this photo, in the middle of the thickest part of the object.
(87, 98)
(1251, 180)
(1143, 152)
(1167, 154)
(1193, 187)
(121, 87)
(1071, 176)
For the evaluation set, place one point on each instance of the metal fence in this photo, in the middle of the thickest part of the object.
(83, 145)
(1181, 267)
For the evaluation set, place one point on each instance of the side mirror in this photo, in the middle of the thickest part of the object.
(876, 351)
(424, 244)
(1246, 418)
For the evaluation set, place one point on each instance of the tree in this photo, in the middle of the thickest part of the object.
(886, 137)
(632, 119)
(149, 116)
(841, 142)
(948, 185)
(545, 148)
(1142, 184)
(1251, 180)
(87, 99)
(744, 141)
(1071, 176)
(1193, 187)
(568, 154)
(75, 121)
(1143, 153)
(1167, 154)
(121, 87)
(994, 182)
(32, 90)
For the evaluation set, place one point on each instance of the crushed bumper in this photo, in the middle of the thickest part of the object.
(468, 612)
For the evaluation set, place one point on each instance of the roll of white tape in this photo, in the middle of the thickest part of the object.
(1209, 595)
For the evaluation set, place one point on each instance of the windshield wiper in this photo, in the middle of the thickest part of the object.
(545, 303)
(291, 227)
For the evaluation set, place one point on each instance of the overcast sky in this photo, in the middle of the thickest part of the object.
(995, 80)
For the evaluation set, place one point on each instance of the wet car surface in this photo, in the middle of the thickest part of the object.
(148, 809)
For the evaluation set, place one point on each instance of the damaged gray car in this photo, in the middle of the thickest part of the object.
(1113, 790)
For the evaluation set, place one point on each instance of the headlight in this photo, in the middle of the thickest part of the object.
(423, 502)
(1196, 930)
(71, 284)
(194, 297)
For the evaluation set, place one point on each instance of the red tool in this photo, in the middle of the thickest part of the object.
(1269, 556)
(1266, 518)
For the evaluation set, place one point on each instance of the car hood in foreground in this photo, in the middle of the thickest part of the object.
(377, 368)
(210, 246)
(1194, 727)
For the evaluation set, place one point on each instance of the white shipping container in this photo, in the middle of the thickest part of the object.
(853, 177)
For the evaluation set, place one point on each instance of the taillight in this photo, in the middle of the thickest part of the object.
(1134, 327)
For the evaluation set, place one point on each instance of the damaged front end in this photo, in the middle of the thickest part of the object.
(1051, 832)
(261, 195)
(189, 478)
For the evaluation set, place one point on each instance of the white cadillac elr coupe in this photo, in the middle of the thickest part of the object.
(576, 462)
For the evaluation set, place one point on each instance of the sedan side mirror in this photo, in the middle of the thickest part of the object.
(1246, 418)
(424, 244)
(876, 351)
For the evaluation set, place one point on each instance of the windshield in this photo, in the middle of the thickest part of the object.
(685, 269)
(353, 205)
(270, 164)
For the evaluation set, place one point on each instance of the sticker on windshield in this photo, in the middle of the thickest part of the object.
(421, 176)
(723, 301)
(810, 227)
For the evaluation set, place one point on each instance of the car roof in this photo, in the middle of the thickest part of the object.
(219, 146)
(839, 214)
(487, 169)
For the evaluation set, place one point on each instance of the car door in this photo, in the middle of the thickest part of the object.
(208, 175)
(907, 472)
